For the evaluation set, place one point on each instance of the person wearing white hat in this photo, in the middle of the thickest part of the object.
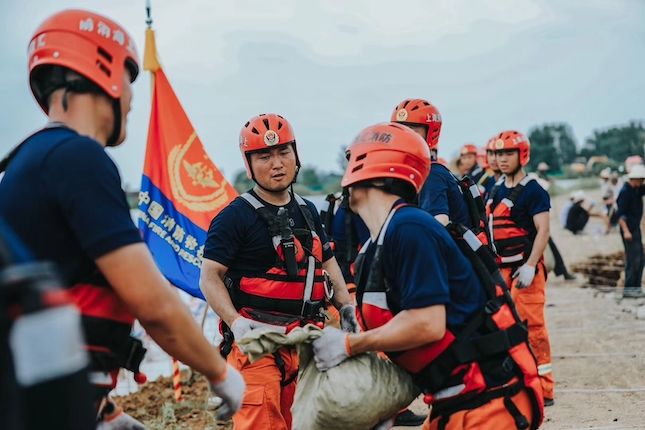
(629, 214)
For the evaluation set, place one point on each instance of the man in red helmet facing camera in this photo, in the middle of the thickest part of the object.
(264, 263)
(422, 301)
(61, 194)
(518, 212)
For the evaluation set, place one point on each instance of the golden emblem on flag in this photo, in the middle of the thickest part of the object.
(191, 181)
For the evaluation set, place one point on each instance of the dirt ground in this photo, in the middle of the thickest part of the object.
(597, 346)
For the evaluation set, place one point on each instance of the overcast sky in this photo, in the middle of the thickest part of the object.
(334, 67)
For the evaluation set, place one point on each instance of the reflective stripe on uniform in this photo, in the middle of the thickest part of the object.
(545, 369)
(375, 298)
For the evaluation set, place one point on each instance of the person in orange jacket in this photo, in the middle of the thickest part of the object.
(424, 300)
(518, 211)
(61, 194)
(264, 263)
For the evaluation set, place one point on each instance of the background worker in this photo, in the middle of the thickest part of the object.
(468, 162)
(518, 210)
(416, 288)
(441, 195)
(61, 194)
(486, 179)
(263, 266)
(629, 214)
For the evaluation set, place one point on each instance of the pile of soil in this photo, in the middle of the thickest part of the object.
(603, 272)
(155, 406)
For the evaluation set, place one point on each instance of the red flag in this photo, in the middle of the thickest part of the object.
(181, 188)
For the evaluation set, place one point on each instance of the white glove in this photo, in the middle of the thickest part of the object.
(524, 275)
(113, 418)
(331, 348)
(231, 390)
(348, 321)
(242, 325)
(385, 425)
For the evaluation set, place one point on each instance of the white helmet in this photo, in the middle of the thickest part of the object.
(637, 172)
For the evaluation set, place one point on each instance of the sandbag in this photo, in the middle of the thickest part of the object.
(355, 395)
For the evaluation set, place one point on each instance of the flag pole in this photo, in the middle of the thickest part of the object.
(150, 59)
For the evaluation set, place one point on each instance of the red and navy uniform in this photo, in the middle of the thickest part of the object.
(484, 355)
(62, 195)
(240, 238)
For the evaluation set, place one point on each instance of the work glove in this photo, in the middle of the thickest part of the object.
(113, 418)
(331, 349)
(524, 275)
(386, 424)
(348, 321)
(231, 390)
(242, 325)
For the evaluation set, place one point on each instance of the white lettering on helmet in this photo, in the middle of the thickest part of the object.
(86, 24)
(433, 117)
(41, 41)
(104, 30)
(131, 46)
(119, 37)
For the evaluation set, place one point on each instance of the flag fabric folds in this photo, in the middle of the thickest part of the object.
(181, 188)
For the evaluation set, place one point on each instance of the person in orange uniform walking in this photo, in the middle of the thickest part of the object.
(263, 267)
(518, 211)
(61, 194)
(421, 299)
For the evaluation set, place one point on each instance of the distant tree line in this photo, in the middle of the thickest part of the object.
(554, 144)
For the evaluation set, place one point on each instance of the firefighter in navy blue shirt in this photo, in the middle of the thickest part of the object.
(467, 162)
(518, 210)
(629, 215)
(441, 195)
(264, 263)
(61, 194)
(416, 288)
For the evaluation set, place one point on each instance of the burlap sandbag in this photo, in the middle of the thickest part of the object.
(355, 395)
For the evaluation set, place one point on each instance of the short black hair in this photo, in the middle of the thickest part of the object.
(398, 187)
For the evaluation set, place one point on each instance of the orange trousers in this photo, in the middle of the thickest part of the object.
(266, 403)
(530, 305)
(491, 416)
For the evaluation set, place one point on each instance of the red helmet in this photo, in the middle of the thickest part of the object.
(490, 145)
(482, 157)
(512, 139)
(420, 112)
(265, 131)
(468, 148)
(91, 45)
(388, 150)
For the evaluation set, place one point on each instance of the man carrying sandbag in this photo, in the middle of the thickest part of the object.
(422, 301)
(264, 264)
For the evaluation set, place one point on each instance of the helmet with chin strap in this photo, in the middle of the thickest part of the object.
(95, 48)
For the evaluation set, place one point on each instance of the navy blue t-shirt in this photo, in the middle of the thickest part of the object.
(239, 239)
(630, 206)
(441, 195)
(338, 227)
(532, 200)
(488, 185)
(62, 196)
(425, 267)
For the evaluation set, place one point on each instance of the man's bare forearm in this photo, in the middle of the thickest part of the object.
(212, 285)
